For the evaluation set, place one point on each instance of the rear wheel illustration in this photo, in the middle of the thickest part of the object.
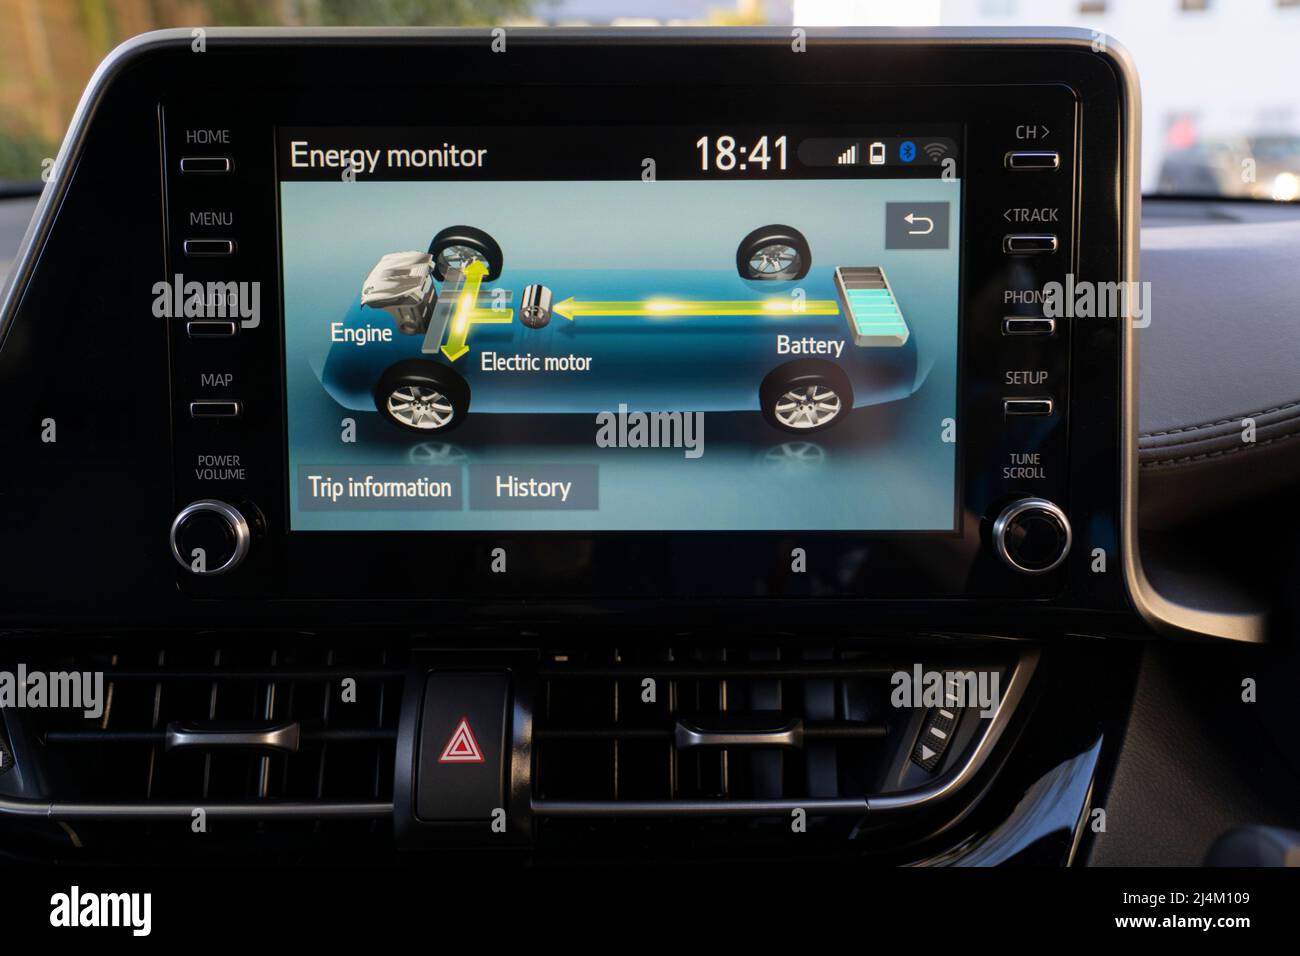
(805, 396)
(457, 246)
(773, 252)
(422, 396)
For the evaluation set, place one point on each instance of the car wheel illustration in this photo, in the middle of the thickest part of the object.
(805, 396)
(457, 246)
(422, 396)
(773, 252)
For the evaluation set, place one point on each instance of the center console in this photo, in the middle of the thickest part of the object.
(613, 416)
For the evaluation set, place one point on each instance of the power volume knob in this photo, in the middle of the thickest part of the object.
(210, 537)
(1032, 536)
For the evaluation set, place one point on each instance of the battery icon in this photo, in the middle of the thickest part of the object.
(876, 156)
(870, 306)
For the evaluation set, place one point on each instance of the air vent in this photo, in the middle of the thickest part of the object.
(711, 740)
(283, 743)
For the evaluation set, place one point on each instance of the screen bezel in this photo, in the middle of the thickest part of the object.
(1011, 83)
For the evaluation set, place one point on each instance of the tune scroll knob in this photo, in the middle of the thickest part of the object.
(1032, 536)
(210, 537)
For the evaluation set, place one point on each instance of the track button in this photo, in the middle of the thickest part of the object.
(1029, 244)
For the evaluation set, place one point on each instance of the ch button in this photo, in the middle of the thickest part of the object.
(1032, 160)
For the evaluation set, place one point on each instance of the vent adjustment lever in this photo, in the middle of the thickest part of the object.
(234, 735)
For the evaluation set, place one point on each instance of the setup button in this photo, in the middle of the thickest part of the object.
(1012, 407)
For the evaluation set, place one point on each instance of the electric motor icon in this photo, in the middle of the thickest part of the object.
(535, 307)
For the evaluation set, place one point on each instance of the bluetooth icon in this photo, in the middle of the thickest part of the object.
(907, 151)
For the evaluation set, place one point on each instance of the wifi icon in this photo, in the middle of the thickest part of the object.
(936, 151)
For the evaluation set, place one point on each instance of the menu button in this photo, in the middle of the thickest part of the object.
(209, 247)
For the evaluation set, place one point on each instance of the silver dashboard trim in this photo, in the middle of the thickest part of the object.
(1161, 613)
(69, 812)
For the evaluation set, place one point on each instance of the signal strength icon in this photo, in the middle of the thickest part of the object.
(936, 151)
(849, 157)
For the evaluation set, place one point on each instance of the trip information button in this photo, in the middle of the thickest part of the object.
(379, 488)
(533, 487)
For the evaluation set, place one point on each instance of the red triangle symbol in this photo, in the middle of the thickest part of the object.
(462, 747)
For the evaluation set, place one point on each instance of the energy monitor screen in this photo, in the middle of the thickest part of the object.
(621, 329)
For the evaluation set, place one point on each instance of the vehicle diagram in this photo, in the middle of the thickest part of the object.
(802, 361)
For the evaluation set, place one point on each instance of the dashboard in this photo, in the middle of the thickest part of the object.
(615, 433)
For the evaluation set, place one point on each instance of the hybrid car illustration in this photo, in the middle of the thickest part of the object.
(430, 339)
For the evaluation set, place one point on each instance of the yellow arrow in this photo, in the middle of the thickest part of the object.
(468, 313)
(571, 308)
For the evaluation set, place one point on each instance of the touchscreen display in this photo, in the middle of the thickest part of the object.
(610, 329)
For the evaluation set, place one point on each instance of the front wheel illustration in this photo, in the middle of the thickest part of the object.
(457, 246)
(773, 252)
(805, 397)
(422, 396)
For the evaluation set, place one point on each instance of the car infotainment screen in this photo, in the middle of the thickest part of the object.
(621, 329)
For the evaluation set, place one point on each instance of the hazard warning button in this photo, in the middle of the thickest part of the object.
(461, 745)
(462, 768)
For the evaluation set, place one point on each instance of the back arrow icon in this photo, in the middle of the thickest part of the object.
(911, 218)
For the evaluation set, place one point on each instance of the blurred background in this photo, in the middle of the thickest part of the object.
(1221, 81)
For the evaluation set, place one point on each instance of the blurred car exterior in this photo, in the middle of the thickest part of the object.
(1256, 167)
